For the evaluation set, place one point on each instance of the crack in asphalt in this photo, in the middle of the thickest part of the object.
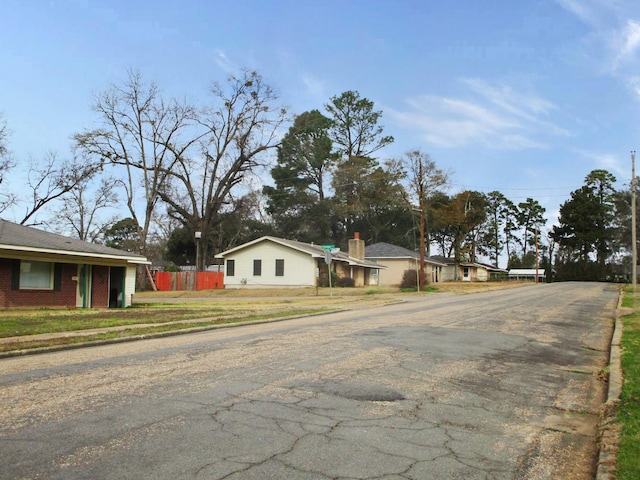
(410, 392)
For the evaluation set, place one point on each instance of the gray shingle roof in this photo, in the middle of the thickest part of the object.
(442, 259)
(387, 250)
(28, 239)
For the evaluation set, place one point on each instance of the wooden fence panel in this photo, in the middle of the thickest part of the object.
(171, 281)
(209, 280)
(163, 281)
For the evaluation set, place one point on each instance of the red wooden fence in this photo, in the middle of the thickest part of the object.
(169, 281)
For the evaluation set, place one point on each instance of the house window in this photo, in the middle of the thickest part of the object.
(231, 268)
(279, 267)
(36, 275)
(257, 268)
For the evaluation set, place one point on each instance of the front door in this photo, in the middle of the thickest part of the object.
(83, 292)
(466, 274)
(116, 287)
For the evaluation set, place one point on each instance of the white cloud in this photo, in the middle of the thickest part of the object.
(633, 84)
(627, 44)
(224, 63)
(499, 117)
(614, 37)
(588, 11)
(621, 168)
(313, 85)
(611, 163)
(525, 106)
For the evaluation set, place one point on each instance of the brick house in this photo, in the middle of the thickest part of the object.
(43, 269)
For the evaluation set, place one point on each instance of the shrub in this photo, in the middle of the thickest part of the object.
(409, 280)
(345, 282)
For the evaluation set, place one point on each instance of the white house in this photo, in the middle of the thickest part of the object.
(276, 262)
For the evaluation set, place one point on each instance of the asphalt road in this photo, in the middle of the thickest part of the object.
(500, 385)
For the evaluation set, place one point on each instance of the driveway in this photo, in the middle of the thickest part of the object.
(500, 385)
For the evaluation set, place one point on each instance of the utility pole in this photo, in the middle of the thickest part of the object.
(634, 245)
(198, 236)
(421, 279)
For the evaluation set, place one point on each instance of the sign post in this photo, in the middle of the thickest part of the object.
(327, 259)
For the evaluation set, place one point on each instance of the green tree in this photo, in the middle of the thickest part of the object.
(356, 133)
(530, 219)
(457, 224)
(305, 154)
(297, 203)
(587, 226)
(181, 249)
(383, 200)
(492, 238)
(123, 235)
(601, 182)
(354, 127)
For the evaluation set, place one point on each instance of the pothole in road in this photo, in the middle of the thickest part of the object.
(361, 392)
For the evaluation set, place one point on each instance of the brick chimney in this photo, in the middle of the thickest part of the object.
(356, 247)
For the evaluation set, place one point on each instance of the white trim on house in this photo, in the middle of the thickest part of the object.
(129, 285)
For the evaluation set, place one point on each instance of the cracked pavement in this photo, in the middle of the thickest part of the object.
(499, 385)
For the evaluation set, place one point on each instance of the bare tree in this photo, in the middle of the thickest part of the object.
(425, 179)
(6, 164)
(81, 207)
(51, 179)
(237, 129)
(142, 134)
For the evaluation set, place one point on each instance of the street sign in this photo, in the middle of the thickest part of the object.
(327, 258)
(328, 248)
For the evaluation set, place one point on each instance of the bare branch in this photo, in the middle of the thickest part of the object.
(52, 178)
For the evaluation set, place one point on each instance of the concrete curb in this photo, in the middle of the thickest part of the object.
(609, 429)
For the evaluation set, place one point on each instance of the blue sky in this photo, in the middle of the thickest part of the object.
(524, 97)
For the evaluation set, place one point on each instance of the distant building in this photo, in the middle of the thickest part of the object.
(527, 274)
(398, 260)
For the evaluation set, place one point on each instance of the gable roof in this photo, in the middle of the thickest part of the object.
(384, 250)
(387, 250)
(316, 251)
(442, 259)
(492, 268)
(20, 239)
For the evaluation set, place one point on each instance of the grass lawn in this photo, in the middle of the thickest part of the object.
(629, 409)
(141, 319)
(151, 313)
(32, 322)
